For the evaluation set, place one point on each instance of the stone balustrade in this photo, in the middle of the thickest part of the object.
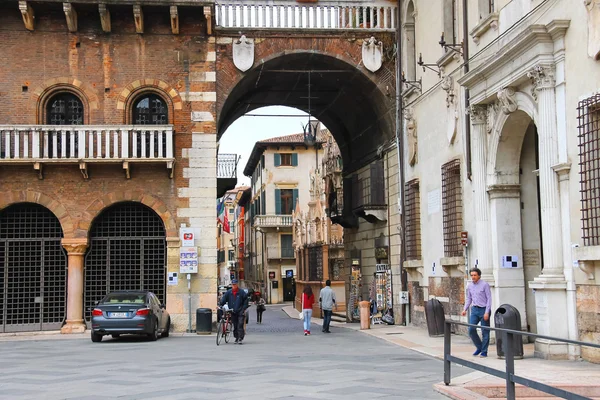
(272, 221)
(283, 14)
(81, 144)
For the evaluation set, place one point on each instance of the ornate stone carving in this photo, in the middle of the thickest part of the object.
(411, 136)
(478, 114)
(75, 246)
(542, 77)
(28, 15)
(593, 9)
(492, 116)
(372, 54)
(243, 53)
(448, 86)
(508, 102)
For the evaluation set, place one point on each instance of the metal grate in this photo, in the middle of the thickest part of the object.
(315, 263)
(452, 208)
(589, 168)
(413, 220)
(33, 269)
(127, 252)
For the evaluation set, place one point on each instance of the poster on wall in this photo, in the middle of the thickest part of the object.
(187, 236)
(188, 260)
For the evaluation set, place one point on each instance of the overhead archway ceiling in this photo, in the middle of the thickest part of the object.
(359, 116)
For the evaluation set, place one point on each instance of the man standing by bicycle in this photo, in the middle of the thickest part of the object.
(237, 301)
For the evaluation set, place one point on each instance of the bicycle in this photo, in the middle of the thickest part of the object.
(225, 327)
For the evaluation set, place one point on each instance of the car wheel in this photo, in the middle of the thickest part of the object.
(167, 328)
(96, 337)
(154, 335)
(115, 335)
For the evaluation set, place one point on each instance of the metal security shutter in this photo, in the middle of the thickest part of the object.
(127, 252)
(33, 269)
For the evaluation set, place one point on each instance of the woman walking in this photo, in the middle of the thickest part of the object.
(260, 307)
(308, 300)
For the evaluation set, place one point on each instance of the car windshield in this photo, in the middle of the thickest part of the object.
(138, 298)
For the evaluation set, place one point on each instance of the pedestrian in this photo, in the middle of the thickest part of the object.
(237, 301)
(327, 303)
(479, 297)
(260, 307)
(308, 299)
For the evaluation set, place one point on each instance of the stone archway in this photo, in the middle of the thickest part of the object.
(514, 215)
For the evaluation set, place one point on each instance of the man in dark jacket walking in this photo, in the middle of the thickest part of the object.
(237, 301)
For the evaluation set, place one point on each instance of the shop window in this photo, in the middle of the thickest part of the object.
(64, 109)
(589, 168)
(413, 220)
(452, 208)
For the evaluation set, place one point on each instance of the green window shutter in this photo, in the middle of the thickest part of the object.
(294, 159)
(277, 159)
(278, 201)
(294, 199)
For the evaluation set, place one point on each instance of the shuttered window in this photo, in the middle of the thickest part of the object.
(285, 201)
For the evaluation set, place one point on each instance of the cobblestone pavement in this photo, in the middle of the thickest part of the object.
(275, 362)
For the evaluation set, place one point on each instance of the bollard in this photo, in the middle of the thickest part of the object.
(365, 315)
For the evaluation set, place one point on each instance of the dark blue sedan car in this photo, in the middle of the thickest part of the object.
(130, 312)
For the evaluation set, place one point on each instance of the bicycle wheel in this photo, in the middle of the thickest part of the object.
(220, 333)
(228, 331)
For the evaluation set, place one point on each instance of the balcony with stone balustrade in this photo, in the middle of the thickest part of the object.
(83, 145)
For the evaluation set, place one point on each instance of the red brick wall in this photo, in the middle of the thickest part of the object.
(102, 68)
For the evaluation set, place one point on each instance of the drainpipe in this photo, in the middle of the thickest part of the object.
(400, 150)
(467, 95)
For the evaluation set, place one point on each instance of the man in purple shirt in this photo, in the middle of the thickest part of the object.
(479, 297)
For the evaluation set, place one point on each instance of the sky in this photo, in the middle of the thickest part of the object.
(240, 137)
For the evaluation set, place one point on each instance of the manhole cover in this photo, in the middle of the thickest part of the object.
(218, 373)
(395, 333)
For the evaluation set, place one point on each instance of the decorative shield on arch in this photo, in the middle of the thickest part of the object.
(372, 54)
(243, 53)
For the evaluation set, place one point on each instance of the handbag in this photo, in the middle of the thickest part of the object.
(301, 316)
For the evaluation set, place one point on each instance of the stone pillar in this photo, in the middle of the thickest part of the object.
(325, 255)
(550, 286)
(480, 197)
(75, 251)
(505, 205)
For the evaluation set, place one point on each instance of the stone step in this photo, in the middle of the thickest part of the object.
(494, 391)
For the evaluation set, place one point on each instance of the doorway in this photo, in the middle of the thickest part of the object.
(288, 289)
(530, 219)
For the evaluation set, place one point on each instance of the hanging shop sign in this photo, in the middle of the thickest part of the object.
(380, 268)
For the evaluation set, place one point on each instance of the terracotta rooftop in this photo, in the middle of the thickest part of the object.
(294, 138)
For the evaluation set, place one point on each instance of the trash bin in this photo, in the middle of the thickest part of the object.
(203, 321)
(508, 317)
(434, 313)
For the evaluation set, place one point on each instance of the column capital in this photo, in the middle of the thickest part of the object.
(542, 77)
(75, 246)
(504, 191)
(478, 114)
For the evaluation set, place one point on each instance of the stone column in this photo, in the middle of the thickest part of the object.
(550, 286)
(544, 82)
(75, 251)
(482, 214)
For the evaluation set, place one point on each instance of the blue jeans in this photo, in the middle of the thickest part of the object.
(326, 319)
(307, 317)
(476, 318)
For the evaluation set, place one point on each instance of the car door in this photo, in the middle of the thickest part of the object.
(158, 311)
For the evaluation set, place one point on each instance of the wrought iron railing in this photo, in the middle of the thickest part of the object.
(508, 341)
(85, 142)
(281, 14)
(227, 165)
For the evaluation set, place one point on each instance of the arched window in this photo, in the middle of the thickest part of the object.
(150, 109)
(64, 109)
(450, 21)
(411, 46)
